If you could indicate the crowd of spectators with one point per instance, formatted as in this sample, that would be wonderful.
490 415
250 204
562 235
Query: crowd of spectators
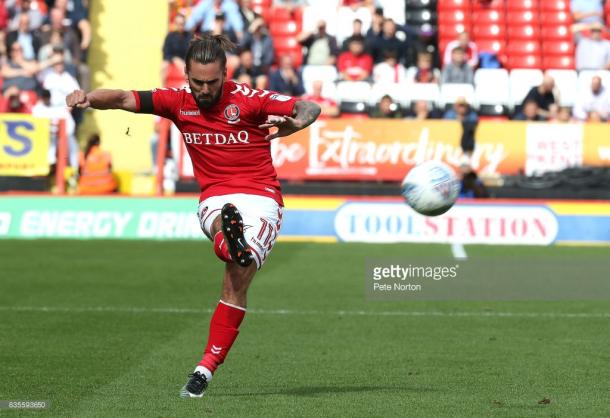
365 44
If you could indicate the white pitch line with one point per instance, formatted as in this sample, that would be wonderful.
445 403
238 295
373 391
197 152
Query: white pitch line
135 310
458 251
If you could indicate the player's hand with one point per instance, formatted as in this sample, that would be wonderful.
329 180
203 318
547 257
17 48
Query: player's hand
285 124
78 98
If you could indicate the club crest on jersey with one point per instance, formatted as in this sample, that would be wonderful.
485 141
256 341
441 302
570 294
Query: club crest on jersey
232 113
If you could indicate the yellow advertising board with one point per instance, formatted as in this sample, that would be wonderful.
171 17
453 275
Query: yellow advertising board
24 145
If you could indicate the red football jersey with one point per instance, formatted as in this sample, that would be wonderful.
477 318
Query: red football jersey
228 149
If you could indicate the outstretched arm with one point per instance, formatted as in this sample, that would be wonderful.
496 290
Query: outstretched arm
303 115
102 99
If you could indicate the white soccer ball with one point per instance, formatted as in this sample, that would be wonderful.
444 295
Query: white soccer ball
431 188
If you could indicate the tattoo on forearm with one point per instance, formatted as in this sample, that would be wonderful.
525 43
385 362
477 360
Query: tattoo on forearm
306 112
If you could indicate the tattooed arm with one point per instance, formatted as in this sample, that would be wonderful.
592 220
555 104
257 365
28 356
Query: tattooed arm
304 114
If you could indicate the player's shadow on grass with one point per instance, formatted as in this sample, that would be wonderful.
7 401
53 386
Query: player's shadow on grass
324 390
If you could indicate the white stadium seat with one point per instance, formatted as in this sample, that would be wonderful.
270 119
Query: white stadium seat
585 76
450 92
423 91
492 86
353 91
521 82
327 73
397 91
566 81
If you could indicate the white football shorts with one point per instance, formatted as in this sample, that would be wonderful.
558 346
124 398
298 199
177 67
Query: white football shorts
262 218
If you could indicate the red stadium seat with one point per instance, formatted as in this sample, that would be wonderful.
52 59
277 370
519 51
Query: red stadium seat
495 46
443 5
263 3
522 17
555 18
285 42
524 61
279 14
451 31
486 17
284 28
558 48
452 16
554 5
489 32
296 54
555 33
565 62
516 5
488 5
523 48
523 32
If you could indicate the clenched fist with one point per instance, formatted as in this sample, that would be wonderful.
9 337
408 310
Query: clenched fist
78 98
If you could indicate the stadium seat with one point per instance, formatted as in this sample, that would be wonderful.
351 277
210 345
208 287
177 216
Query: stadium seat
522 17
523 32
453 5
487 17
565 62
452 16
524 61
452 30
554 5
285 42
353 91
424 91
398 92
523 48
585 76
450 93
521 82
326 73
555 18
489 32
279 14
566 82
488 5
516 5
558 48
421 17
413 4
284 28
496 46
556 33
492 91
263 3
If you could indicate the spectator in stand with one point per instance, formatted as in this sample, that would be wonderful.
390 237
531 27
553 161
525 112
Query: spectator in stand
422 110
321 47
529 112
458 70
34 14
564 115
203 15
76 16
469 47
424 72
329 106
357 32
247 67
28 39
463 113
58 81
246 12
597 99
259 42
593 53
375 31
346 14
44 109
594 117
11 102
56 43
471 186
587 11
390 70
388 41
18 71
545 97
175 45
243 78
68 34
355 64
286 79
387 108
95 169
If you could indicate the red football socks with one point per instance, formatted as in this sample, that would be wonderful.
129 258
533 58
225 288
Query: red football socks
221 249
224 328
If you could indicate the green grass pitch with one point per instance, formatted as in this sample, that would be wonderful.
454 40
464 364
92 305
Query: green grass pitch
111 329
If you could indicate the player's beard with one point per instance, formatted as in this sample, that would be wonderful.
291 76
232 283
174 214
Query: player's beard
207 101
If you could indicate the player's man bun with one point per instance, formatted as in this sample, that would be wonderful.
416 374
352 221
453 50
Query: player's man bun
206 49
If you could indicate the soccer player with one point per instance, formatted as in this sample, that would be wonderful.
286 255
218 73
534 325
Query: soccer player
225 126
